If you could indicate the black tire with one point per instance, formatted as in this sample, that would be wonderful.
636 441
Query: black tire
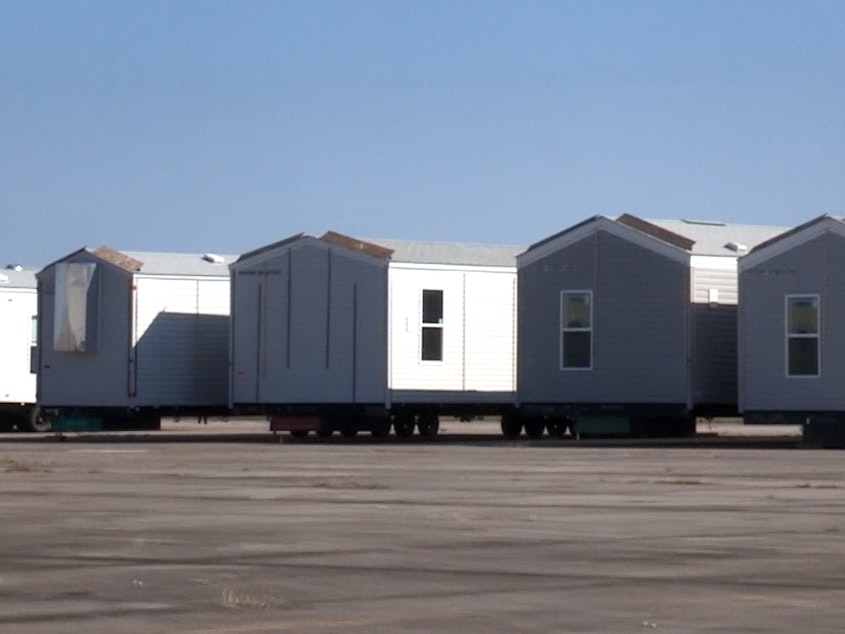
535 428
403 426
324 433
299 433
380 429
511 426
557 427
35 422
349 431
429 425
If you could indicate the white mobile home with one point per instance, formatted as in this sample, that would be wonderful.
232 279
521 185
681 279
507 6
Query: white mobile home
18 349
337 333
629 326
127 337
791 344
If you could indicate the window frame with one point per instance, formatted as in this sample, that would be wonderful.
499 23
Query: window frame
432 325
565 329
788 336
33 345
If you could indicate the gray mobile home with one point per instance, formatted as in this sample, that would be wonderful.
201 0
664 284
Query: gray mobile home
335 333
126 337
791 344
628 326
18 349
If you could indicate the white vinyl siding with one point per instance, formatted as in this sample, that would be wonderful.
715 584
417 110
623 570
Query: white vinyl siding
431 335
576 330
17 312
181 338
713 278
478 332
802 336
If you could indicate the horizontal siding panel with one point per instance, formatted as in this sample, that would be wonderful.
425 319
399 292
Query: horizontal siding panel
810 268
310 327
640 325
99 377
723 281
182 342
478 330
17 382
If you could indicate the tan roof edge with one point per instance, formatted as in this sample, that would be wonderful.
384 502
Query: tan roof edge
333 237
118 259
656 232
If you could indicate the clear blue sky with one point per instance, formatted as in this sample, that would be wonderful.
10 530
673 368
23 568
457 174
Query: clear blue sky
223 126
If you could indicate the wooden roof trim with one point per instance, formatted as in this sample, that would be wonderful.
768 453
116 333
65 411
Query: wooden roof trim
656 232
118 259
369 248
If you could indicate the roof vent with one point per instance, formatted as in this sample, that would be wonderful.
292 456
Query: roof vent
737 247
14 267
213 258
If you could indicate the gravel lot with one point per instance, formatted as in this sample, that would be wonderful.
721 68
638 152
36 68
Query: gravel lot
218 529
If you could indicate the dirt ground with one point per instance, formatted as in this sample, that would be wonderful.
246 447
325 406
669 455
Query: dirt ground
216 528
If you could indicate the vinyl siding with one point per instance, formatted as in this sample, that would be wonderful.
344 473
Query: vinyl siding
478 330
813 267
181 340
97 377
715 328
17 308
717 273
640 331
310 327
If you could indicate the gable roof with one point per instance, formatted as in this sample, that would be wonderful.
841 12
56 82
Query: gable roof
675 238
405 251
158 263
792 238
633 229
269 247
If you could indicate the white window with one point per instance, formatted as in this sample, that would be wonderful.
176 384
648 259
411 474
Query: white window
431 348
802 335
33 346
576 330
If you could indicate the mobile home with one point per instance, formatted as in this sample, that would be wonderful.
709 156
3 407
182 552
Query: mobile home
127 337
628 326
791 345
18 349
335 333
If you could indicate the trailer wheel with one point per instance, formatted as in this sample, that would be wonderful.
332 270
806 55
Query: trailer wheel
324 433
403 426
429 425
511 426
349 431
381 428
36 422
557 427
534 428
299 433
